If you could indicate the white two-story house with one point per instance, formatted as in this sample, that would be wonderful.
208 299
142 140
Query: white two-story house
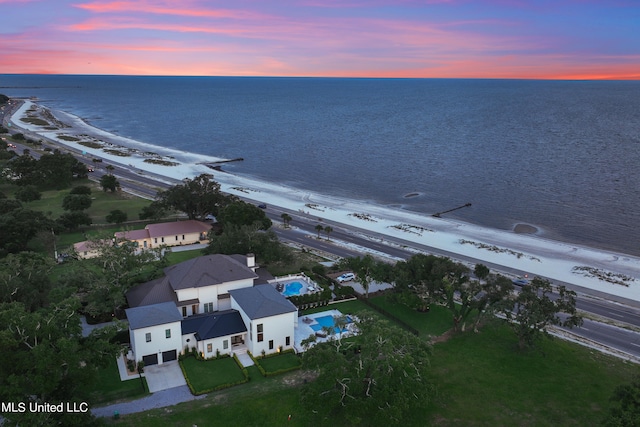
218 309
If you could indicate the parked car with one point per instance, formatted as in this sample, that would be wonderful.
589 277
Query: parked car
262 206
520 282
346 277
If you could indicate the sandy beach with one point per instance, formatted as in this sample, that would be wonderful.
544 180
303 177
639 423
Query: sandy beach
523 248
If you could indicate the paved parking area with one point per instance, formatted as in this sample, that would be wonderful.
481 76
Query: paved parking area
165 376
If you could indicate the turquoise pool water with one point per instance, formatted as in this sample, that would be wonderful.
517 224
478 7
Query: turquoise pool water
327 321
292 288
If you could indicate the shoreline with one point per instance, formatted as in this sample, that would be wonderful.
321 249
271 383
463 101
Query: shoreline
522 248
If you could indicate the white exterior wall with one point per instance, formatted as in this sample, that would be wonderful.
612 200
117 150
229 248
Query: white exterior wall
216 344
192 341
275 328
159 341
206 294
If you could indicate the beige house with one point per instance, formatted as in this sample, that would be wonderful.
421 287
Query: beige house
86 249
175 233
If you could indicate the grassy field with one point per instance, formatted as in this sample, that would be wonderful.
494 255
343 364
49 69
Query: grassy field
481 379
109 388
103 202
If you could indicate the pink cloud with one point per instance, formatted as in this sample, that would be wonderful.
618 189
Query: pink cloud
174 8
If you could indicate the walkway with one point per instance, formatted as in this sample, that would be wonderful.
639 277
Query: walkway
159 399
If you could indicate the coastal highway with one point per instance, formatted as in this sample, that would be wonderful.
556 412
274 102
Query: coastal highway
347 241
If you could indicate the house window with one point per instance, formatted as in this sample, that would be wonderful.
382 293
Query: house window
194 309
184 311
167 333
145 243
176 238
208 307
287 341
225 344
155 240
209 348
148 336
260 334
162 239
270 344
182 237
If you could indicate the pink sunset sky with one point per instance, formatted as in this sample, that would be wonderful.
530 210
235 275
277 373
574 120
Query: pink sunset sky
541 39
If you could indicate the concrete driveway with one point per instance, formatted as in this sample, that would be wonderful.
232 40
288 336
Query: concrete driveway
165 376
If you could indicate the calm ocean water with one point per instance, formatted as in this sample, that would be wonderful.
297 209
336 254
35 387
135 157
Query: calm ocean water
561 155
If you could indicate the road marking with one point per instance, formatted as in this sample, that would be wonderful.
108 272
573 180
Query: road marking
632 343
615 314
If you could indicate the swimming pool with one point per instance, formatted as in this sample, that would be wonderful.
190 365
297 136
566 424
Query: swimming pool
292 288
327 321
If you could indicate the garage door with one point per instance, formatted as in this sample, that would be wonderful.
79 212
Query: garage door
168 356
151 359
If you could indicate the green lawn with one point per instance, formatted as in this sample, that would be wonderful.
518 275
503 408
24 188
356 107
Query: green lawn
206 375
108 387
433 323
103 202
177 257
483 379
280 362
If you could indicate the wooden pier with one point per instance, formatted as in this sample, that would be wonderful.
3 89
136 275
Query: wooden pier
438 214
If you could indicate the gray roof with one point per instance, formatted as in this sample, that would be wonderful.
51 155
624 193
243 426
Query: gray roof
207 270
214 325
262 301
152 315
153 292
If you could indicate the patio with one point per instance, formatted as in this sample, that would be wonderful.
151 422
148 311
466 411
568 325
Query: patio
306 324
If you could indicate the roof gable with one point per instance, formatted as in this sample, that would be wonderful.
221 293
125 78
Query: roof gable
262 301
214 325
153 292
152 315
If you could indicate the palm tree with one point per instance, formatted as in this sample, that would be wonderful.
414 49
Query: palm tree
286 219
328 230
319 228
110 168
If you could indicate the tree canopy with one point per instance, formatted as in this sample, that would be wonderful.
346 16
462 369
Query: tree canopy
19 225
116 216
534 310
109 182
44 357
242 213
55 170
383 372
248 239
76 202
625 411
197 197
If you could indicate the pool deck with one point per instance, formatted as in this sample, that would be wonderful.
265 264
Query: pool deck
308 285
303 329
